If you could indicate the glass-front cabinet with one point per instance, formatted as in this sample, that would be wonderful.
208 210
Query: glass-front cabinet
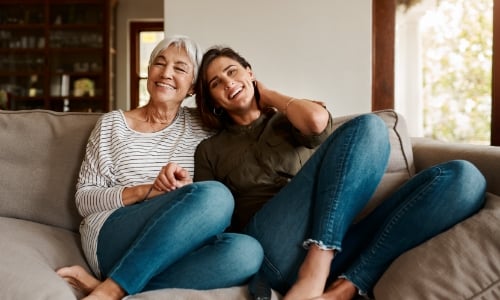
57 55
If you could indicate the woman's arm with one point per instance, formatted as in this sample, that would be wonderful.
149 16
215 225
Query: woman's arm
95 190
138 193
309 117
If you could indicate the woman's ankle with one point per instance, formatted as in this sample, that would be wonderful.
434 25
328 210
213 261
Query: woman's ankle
340 289
109 290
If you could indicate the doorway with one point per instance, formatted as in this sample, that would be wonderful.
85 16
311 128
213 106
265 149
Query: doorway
144 36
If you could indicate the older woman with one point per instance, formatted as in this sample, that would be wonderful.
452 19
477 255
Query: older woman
298 183
146 225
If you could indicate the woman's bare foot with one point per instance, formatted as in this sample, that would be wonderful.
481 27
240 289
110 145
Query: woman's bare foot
79 278
340 289
107 290
312 275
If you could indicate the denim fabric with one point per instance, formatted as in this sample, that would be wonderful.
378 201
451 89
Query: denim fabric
321 201
175 240
431 202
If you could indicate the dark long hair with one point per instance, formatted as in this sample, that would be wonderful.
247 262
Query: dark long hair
204 101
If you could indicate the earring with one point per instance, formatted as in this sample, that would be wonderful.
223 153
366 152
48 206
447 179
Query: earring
217 111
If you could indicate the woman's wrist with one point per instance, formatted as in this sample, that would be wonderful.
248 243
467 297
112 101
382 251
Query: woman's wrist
136 194
288 102
148 193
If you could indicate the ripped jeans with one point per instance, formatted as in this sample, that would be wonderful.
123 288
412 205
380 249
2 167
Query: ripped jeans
321 202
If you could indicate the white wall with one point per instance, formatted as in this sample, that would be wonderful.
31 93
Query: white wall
408 80
317 49
130 10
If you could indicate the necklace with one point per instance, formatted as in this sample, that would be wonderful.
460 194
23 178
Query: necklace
162 122
152 124
154 129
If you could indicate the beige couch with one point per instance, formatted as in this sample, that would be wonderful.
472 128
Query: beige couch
40 155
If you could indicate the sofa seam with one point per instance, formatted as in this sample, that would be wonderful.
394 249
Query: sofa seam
401 144
485 289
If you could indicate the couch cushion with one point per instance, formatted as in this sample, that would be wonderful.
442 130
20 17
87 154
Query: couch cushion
400 166
45 150
461 263
30 253
39 163
428 152
233 293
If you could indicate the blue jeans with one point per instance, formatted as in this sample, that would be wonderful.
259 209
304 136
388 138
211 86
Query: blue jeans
176 240
320 203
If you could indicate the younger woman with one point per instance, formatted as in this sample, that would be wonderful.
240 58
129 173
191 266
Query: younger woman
296 182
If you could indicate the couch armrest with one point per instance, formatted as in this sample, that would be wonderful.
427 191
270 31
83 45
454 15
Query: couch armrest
428 152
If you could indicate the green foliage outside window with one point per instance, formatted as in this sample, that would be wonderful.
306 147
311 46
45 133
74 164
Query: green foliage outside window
457 42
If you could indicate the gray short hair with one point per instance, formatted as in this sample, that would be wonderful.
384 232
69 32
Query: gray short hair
194 51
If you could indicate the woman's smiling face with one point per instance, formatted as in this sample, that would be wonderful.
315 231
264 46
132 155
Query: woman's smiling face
230 84
171 74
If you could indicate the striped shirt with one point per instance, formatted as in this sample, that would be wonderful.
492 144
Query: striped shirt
118 156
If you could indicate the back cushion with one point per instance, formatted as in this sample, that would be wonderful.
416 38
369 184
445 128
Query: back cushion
40 156
462 263
400 167
41 152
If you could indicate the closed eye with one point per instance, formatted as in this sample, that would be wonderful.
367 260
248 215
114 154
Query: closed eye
180 69
214 82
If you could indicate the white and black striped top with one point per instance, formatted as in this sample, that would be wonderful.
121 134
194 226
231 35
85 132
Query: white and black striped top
117 157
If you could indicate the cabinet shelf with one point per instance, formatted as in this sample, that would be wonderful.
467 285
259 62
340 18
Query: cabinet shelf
80 74
75 27
57 54
4 73
80 98
28 98
69 50
21 26
22 50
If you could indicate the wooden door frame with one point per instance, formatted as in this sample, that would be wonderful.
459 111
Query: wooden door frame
383 53
495 78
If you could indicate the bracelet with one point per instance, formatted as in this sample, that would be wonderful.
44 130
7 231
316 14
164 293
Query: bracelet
287 104
147 194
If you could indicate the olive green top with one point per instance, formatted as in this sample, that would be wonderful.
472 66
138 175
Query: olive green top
255 161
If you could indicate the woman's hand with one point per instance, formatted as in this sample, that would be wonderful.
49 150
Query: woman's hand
171 177
265 98
309 117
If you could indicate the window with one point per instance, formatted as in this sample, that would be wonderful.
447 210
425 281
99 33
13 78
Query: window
143 38
384 13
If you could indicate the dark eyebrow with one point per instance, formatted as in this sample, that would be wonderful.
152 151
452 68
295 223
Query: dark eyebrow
224 70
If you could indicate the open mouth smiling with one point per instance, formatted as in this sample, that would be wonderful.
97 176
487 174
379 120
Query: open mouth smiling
233 93
165 85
